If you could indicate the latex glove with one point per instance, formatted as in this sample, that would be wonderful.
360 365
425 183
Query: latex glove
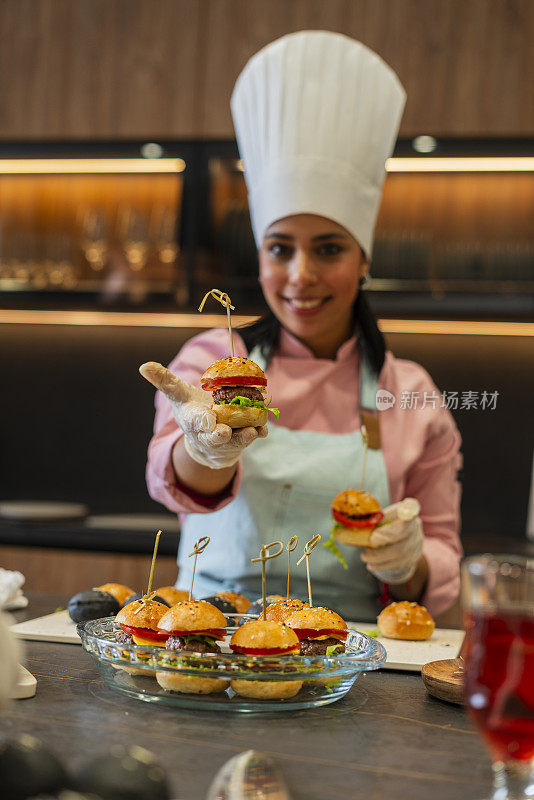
398 545
208 443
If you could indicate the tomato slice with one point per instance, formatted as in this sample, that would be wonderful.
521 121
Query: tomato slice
313 633
369 521
211 384
145 633
215 633
257 651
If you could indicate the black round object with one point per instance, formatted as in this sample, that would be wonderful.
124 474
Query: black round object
92 604
135 597
27 768
222 604
125 774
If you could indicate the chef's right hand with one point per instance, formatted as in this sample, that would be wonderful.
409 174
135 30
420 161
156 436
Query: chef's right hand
208 443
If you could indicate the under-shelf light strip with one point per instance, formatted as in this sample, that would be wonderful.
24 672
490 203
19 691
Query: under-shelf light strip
461 164
90 166
151 320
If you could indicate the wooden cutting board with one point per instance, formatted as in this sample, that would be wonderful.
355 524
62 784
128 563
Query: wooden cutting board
443 679
401 655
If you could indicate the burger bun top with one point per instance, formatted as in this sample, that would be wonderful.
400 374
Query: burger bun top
148 615
197 615
316 618
234 368
354 503
265 634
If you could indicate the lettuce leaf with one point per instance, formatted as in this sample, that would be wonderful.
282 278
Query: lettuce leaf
373 634
331 650
331 545
248 403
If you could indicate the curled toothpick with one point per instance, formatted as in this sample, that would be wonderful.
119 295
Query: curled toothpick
363 431
148 596
199 548
308 547
224 300
290 546
266 555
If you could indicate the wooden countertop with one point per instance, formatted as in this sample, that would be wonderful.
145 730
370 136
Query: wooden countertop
385 734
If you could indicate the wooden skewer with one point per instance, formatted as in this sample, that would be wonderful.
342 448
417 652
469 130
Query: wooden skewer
290 546
148 595
308 547
199 548
224 300
363 431
266 555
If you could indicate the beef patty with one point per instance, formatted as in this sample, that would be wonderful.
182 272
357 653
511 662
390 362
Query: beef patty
194 646
227 393
317 647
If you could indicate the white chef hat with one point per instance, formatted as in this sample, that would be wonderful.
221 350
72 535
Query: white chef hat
316 116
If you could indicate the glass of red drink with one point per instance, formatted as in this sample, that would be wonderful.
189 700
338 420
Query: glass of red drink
498 600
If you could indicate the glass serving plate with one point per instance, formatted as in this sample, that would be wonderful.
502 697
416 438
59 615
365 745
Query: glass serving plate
311 680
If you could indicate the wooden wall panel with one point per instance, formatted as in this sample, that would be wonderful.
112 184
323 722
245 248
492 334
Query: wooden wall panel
67 572
98 68
467 67
139 68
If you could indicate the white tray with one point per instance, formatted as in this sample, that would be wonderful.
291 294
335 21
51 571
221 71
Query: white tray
402 655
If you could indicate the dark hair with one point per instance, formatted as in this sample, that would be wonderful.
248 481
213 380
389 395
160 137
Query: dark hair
265 332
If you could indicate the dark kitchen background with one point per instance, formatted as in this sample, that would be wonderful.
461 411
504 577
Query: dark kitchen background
122 200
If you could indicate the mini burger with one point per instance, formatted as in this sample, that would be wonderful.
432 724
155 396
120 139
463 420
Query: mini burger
139 625
237 385
283 609
356 514
120 592
319 630
265 638
239 601
172 595
192 627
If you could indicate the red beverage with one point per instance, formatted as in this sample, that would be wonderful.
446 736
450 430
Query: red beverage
499 680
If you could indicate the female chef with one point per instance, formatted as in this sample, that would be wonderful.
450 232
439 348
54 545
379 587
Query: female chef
316 115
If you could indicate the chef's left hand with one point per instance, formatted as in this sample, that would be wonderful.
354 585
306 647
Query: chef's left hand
397 546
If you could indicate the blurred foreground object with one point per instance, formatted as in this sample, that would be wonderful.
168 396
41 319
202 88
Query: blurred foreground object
248 776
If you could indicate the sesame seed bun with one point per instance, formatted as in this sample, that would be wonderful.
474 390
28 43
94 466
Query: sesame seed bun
241 602
316 618
264 635
189 685
147 617
234 367
240 416
267 690
355 503
172 595
120 592
405 620
356 537
196 615
280 611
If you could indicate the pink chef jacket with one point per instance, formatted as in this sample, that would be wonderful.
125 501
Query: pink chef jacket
420 445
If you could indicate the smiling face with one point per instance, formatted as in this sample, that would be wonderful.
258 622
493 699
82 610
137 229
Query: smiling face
310 272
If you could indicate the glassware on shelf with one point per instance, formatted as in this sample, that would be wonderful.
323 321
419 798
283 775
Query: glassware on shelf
133 231
163 227
498 598
94 238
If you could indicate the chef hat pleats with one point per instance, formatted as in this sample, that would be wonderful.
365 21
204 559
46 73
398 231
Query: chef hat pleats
316 116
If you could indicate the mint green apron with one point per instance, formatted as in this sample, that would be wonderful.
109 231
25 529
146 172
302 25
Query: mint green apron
289 481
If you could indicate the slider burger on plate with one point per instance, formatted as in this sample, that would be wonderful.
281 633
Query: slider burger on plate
172 595
356 515
405 620
120 592
192 627
237 385
319 630
239 601
282 609
139 625
265 638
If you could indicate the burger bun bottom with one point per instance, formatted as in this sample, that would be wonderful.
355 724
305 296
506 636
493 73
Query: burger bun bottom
357 537
240 416
189 685
267 690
